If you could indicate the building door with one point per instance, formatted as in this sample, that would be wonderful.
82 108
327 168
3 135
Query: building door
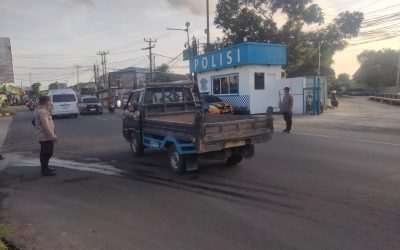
261 94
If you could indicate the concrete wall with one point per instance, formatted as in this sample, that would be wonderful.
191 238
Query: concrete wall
6 66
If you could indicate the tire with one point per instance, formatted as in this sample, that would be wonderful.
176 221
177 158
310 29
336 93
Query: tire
176 162
234 160
136 143
75 116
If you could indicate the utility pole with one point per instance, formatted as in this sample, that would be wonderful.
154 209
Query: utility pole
30 78
95 76
208 25
103 55
149 48
398 74
319 58
77 73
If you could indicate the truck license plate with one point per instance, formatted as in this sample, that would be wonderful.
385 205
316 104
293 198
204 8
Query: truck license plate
232 144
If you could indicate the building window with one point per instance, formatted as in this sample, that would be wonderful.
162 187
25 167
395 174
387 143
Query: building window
226 85
217 86
259 81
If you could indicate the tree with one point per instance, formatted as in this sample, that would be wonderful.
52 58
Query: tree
164 68
36 88
53 86
378 68
254 20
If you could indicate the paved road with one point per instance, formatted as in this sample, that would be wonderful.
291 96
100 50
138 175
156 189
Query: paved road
332 184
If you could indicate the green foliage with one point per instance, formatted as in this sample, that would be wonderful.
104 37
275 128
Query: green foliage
36 88
343 78
164 68
378 68
254 19
5 230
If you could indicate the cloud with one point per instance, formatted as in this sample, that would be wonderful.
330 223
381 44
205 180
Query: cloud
87 3
196 7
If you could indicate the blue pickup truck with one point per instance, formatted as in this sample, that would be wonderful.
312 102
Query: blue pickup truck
169 116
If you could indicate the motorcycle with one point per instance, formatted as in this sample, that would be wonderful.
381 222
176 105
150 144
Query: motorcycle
111 108
321 107
334 101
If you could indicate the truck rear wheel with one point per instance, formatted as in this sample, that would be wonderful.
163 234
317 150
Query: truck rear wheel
176 162
136 145
234 160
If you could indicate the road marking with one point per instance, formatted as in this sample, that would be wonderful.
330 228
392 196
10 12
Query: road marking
17 160
348 139
99 118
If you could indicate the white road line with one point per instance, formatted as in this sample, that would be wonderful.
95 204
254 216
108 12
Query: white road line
99 118
348 139
18 160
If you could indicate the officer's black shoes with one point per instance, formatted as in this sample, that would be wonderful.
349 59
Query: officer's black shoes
286 131
48 172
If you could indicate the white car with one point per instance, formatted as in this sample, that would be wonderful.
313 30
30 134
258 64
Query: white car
65 102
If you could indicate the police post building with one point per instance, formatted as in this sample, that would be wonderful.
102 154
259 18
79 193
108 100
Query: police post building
244 75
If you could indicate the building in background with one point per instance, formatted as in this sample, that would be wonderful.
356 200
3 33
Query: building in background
58 85
6 64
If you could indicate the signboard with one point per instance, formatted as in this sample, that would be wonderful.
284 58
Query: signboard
241 54
187 54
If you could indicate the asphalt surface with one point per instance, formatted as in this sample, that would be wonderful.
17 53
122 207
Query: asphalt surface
332 184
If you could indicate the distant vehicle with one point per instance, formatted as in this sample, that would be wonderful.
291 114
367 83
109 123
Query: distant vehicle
65 102
334 99
167 116
31 105
214 105
90 105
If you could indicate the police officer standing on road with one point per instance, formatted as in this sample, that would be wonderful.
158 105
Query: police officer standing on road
286 109
44 125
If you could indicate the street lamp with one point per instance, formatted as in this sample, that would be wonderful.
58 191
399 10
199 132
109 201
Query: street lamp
187 24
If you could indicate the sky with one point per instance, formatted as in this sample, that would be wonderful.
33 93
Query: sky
50 37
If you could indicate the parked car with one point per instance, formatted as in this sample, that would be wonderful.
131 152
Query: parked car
214 105
90 105
65 103
167 116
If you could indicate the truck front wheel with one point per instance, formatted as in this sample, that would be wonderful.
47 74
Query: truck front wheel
234 160
176 162
136 145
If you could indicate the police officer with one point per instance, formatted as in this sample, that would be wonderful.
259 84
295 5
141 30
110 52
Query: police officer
46 134
286 109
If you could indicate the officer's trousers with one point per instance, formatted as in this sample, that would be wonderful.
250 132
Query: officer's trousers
46 152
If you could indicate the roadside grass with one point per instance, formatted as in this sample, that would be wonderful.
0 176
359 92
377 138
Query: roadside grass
5 230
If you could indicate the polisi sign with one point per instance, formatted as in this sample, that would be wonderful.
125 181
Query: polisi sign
241 54
217 60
